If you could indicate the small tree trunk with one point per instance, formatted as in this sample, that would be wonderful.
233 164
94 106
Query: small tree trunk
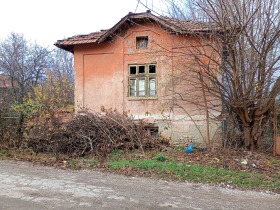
247 136
206 108
20 130
258 131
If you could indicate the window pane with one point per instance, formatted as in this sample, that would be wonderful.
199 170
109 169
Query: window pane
152 86
141 89
132 84
132 70
141 69
152 69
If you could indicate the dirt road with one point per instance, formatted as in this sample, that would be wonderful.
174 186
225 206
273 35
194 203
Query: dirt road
24 186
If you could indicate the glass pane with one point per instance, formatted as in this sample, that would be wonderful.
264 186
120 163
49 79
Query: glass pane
152 86
141 69
142 42
152 69
132 70
141 90
132 84
154 132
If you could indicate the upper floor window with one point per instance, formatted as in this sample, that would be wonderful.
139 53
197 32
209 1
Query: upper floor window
142 80
142 42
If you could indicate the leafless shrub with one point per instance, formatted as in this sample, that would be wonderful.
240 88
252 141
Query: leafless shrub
231 133
92 133
104 132
8 133
43 132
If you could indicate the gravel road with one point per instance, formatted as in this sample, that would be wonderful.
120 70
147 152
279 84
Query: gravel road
33 187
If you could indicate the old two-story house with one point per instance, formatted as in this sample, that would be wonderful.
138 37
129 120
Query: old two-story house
129 67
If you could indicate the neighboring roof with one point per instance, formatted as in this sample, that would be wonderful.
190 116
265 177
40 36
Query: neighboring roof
170 24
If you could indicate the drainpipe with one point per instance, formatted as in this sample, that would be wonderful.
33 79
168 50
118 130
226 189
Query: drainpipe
83 100
123 95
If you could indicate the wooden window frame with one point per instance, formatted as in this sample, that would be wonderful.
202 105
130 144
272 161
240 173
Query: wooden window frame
142 42
138 76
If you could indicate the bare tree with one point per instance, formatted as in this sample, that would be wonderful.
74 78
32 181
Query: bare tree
184 10
62 64
238 60
23 63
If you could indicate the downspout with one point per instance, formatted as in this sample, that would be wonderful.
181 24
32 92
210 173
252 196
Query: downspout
123 95
83 101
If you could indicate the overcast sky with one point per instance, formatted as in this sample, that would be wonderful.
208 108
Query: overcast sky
46 21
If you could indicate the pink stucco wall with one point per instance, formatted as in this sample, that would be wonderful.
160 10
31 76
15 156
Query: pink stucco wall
101 73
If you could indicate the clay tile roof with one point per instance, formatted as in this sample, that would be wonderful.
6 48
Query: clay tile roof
170 24
188 26
68 43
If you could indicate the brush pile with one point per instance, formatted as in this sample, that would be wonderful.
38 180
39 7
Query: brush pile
94 133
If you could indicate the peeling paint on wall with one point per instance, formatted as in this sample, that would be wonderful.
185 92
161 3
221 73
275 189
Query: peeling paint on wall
131 51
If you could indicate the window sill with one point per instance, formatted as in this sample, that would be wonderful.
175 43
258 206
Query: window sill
139 49
141 98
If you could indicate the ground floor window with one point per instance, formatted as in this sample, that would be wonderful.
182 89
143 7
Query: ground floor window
152 130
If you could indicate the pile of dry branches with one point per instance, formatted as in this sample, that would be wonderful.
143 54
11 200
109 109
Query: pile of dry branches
97 134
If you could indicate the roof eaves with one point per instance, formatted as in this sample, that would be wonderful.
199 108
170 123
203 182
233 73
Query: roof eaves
111 30
130 15
117 25
68 47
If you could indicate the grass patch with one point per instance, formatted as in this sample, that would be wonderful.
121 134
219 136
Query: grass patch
274 161
172 164
196 173
160 157
276 176
73 164
91 163
80 163
116 154
3 154
180 148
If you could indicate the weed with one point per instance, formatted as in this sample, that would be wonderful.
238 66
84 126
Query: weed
3 154
90 162
274 161
276 176
73 164
180 148
160 157
118 164
116 154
